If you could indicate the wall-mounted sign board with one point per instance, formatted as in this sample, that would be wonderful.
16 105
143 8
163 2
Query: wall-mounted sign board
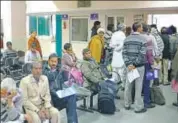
65 17
94 16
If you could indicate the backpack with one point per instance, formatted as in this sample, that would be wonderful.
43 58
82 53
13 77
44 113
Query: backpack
106 96
157 96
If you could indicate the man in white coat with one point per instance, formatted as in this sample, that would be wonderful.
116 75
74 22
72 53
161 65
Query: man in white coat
118 65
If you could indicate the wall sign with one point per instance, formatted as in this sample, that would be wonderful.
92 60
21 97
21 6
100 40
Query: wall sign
65 17
94 16
139 18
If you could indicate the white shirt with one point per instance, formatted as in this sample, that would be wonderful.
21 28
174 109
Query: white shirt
32 57
117 42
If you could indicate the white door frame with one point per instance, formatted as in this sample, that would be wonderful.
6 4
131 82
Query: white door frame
70 28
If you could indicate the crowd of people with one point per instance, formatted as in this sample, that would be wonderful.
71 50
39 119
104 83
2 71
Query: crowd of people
140 48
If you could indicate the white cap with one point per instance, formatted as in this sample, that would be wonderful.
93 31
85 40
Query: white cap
100 30
9 84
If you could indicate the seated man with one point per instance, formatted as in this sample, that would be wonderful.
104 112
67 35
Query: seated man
56 79
32 55
9 52
11 103
91 71
36 96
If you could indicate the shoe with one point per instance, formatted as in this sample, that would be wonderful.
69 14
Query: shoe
166 84
150 106
117 110
141 111
175 104
117 97
127 108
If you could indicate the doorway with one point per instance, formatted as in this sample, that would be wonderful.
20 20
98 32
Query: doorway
163 20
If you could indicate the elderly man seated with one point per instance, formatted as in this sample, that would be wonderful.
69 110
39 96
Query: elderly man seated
55 76
91 71
11 103
32 54
36 96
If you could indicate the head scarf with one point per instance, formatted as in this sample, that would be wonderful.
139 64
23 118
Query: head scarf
100 30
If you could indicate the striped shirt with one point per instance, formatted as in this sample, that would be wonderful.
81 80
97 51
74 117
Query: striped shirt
134 50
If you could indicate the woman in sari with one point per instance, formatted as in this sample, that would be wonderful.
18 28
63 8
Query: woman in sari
96 45
33 39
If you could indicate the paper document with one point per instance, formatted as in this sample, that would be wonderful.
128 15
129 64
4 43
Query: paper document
66 92
156 73
169 65
132 75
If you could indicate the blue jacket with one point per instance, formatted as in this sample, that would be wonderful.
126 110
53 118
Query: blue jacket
56 79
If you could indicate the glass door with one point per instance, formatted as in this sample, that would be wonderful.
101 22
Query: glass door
79 33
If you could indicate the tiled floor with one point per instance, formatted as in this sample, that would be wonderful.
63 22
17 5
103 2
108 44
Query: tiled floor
160 114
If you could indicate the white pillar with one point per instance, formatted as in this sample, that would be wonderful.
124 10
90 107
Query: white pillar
18 25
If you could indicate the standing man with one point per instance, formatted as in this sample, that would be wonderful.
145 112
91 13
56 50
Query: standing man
149 63
117 42
33 39
96 26
166 55
159 54
134 55
173 42
36 96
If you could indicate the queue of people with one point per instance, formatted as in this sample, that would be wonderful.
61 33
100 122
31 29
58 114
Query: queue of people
138 48
144 48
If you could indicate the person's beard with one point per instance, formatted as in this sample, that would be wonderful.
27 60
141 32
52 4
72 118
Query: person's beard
37 77
87 58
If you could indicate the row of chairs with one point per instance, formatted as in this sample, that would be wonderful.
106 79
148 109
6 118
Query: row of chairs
12 69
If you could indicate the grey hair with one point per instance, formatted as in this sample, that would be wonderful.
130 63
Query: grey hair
34 64
121 27
9 84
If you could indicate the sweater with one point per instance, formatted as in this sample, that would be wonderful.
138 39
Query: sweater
166 50
134 50
173 45
149 52
159 42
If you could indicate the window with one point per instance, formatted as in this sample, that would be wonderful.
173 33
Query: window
110 20
120 20
32 24
41 24
114 20
79 30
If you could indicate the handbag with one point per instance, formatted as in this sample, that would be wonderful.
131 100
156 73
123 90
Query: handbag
77 75
174 85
